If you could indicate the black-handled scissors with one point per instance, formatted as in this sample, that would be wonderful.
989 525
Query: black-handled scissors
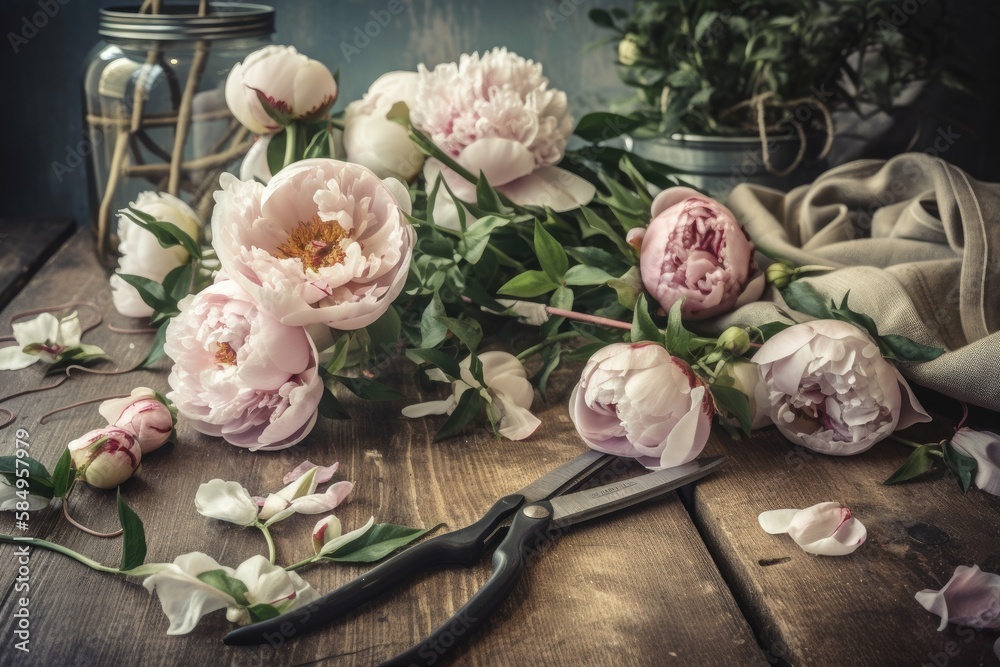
539 514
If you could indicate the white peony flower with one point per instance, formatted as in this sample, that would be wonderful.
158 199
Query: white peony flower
496 114
825 529
984 447
142 255
508 386
376 142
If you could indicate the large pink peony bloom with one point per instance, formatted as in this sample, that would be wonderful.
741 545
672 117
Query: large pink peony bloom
496 114
325 241
694 249
636 400
825 386
241 374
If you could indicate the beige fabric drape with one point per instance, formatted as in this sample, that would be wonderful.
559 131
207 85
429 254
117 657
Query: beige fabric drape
915 240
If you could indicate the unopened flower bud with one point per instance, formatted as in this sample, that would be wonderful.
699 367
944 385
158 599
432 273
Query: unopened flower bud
780 274
628 50
143 415
106 457
735 340
326 530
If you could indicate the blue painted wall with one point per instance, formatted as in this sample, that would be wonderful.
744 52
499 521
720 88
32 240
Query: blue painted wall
40 107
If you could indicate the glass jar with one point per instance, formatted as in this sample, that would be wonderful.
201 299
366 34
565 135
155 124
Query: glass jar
155 105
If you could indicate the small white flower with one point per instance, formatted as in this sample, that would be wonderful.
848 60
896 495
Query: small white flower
825 529
46 333
226 501
510 391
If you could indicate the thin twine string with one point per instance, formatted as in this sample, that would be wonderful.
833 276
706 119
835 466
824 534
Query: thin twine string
89 531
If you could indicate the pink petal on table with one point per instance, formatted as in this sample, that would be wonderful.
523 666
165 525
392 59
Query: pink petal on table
323 474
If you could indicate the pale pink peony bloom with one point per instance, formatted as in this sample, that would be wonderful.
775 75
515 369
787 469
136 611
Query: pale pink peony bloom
510 392
983 446
240 374
636 400
106 457
694 249
971 597
496 114
141 253
826 386
324 242
825 529
376 142
143 415
282 80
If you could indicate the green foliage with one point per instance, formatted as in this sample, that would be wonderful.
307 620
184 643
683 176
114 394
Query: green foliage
695 64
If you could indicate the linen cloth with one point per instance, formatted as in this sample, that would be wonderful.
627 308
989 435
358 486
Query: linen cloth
915 240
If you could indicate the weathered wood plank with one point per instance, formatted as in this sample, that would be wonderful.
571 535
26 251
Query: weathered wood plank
856 609
25 244
635 588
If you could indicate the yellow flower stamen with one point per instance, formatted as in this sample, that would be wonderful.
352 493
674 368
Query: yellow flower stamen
316 243
225 355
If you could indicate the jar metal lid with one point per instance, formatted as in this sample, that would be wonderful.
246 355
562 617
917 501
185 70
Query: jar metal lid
225 20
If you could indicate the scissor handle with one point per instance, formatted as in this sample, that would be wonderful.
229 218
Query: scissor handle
459 547
526 535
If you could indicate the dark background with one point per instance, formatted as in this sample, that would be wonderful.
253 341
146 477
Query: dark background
40 106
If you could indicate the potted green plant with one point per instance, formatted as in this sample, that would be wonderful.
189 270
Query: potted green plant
741 90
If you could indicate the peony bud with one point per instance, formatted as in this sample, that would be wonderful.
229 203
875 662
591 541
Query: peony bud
143 415
735 340
105 457
324 531
628 50
780 274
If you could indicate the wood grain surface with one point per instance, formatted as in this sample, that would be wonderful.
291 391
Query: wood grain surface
25 244
634 588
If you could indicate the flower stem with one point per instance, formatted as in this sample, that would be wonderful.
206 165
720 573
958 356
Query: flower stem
52 546
302 563
534 349
291 139
590 319
915 445
270 541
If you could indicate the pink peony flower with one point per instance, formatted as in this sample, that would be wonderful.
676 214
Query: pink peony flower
636 400
373 140
239 373
694 249
971 597
105 457
325 241
142 415
825 386
282 80
983 446
826 529
496 114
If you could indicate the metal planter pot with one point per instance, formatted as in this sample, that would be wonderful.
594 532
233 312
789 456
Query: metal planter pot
718 164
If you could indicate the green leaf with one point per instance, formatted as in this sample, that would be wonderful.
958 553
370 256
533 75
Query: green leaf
477 237
62 475
432 331
587 275
963 466
550 361
600 17
628 287
276 151
733 403
528 284
470 332
177 283
597 257
377 543
769 330
678 339
643 327
167 233
584 352
470 405
601 126
338 358
551 255
228 584
38 479
383 335
330 406
601 226
156 348
78 355
561 298
263 612
133 536
151 292
370 390
919 462
906 349
487 198
438 359
319 146
803 297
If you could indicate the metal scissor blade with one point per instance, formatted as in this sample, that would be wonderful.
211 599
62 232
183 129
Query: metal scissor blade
567 476
583 505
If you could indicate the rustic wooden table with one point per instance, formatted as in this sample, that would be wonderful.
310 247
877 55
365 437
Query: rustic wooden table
685 580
